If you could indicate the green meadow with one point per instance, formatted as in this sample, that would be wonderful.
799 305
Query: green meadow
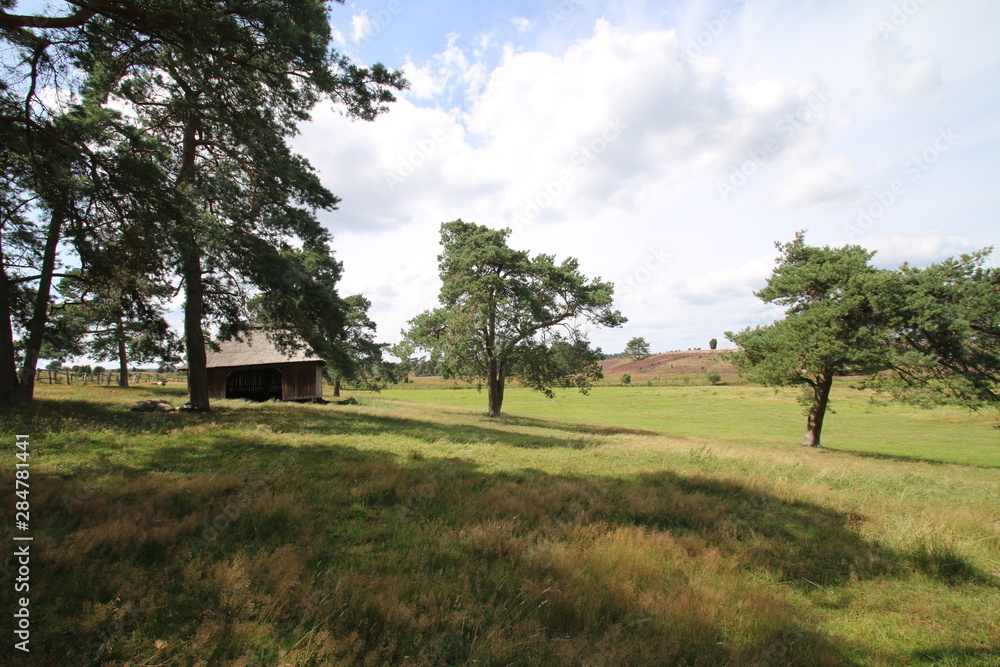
753 414
673 525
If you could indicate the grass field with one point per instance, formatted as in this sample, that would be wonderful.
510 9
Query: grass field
753 414
633 526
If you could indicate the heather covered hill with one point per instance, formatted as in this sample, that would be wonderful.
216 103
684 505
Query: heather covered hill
670 365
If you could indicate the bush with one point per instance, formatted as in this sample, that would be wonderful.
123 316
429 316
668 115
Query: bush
713 378
626 378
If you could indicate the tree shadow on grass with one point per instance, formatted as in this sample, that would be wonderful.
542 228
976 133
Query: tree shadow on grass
590 429
806 544
906 459
434 557
46 417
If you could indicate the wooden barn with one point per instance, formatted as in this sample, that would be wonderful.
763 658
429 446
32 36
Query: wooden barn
254 369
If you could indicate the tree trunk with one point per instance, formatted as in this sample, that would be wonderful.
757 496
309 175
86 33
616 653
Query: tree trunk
191 274
814 422
336 386
39 316
494 387
194 307
8 365
122 356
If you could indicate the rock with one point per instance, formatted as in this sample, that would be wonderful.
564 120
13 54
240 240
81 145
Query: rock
153 405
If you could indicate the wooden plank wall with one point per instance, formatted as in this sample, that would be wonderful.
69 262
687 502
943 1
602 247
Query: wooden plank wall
299 381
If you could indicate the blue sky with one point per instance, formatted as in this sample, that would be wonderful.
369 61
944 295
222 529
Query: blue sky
667 146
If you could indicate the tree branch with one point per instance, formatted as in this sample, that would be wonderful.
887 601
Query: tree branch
74 20
29 279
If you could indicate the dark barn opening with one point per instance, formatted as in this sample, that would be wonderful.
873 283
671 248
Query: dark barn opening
257 384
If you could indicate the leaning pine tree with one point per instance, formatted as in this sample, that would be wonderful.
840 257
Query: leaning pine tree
831 327
923 335
505 314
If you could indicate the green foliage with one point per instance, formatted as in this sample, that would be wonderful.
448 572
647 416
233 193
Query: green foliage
556 361
365 367
197 179
713 378
499 308
118 317
419 366
626 378
712 344
945 340
637 348
923 335
297 300
831 326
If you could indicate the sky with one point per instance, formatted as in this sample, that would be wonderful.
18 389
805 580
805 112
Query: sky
667 146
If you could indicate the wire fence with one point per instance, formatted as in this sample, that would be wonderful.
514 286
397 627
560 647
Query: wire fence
62 376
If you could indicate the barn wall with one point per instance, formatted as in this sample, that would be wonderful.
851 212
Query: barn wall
302 381
217 382
299 381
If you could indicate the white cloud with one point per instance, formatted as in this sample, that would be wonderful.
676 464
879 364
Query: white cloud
827 182
423 82
522 24
720 285
361 27
491 130
917 249
904 76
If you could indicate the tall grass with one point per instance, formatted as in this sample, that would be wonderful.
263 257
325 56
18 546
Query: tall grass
391 534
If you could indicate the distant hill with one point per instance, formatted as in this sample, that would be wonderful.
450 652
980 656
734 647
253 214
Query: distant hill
669 365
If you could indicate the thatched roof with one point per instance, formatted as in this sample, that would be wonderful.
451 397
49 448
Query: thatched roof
254 350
